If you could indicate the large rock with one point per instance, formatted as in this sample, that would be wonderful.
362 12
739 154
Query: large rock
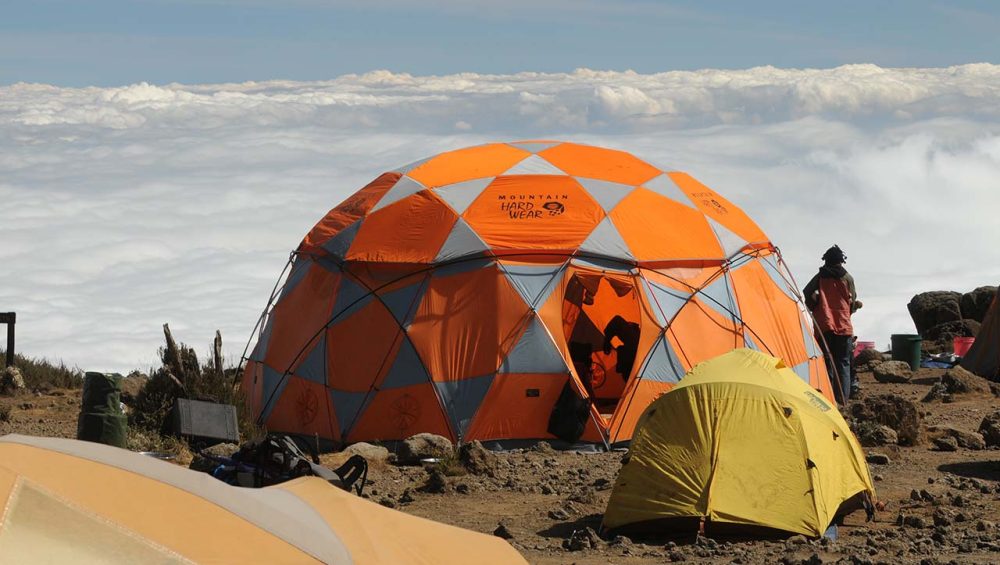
866 356
967 440
871 434
424 446
931 309
946 333
890 410
368 451
959 381
893 372
975 304
11 381
478 460
990 428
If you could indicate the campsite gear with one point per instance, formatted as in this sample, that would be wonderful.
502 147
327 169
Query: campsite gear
983 358
276 459
745 445
906 347
961 345
68 501
445 296
863 345
101 417
206 423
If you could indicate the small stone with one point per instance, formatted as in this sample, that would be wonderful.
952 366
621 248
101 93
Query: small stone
559 514
878 459
914 521
501 531
406 497
462 488
893 372
676 556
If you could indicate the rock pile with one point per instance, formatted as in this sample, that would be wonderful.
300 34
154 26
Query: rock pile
940 316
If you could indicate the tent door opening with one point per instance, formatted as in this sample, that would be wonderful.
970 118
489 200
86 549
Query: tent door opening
601 314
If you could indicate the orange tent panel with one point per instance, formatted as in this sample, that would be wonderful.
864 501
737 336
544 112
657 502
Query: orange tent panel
517 405
469 163
641 216
304 405
773 317
361 347
399 413
411 230
451 332
597 163
348 211
300 315
534 212
720 209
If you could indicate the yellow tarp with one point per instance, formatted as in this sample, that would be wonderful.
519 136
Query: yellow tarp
740 440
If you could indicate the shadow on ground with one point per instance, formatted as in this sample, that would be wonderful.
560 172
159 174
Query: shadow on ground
986 470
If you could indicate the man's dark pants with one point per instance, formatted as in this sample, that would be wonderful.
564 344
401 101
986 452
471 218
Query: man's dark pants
838 364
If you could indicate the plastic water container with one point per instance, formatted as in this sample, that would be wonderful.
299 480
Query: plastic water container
961 345
906 347
862 345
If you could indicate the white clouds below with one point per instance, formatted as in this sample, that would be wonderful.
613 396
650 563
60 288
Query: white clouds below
123 208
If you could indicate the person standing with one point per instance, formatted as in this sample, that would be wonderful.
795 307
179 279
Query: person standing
832 297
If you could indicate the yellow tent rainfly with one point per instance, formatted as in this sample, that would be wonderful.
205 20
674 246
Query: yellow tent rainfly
745 445
474 293
67 501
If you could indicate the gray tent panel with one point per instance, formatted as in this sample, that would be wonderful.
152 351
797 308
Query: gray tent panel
462 194
604 264
534 165
313 367
731 243
533 282
405 169
665 302
462 399
607 194
665 186
534 353
403 302
339 244
534 147
260 350
812 348
404 187
351 297
802 370
300 266
407 369
662 364
720 297
348 407
461 242
771 268
606 241
274 386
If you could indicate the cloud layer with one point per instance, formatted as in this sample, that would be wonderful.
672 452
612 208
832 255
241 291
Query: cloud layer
123 208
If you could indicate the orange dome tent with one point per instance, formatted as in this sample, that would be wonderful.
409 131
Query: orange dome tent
492 292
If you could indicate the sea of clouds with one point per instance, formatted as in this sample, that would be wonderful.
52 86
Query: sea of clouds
124 208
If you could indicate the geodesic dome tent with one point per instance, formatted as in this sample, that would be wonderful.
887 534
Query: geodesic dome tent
491 292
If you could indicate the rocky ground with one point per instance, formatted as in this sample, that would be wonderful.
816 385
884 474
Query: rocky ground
937 476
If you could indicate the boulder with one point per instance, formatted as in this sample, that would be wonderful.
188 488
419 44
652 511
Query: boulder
893 372
477 459
946 443
11 381
937 392
871 434
893 411
866 356
931 309
424 446
967 440
975 304
945 333
990 429
368 451
959 381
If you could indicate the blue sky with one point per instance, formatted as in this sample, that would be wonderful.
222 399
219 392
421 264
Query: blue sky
115 42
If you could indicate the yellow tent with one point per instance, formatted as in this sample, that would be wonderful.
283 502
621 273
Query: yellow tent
66 501
741 441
